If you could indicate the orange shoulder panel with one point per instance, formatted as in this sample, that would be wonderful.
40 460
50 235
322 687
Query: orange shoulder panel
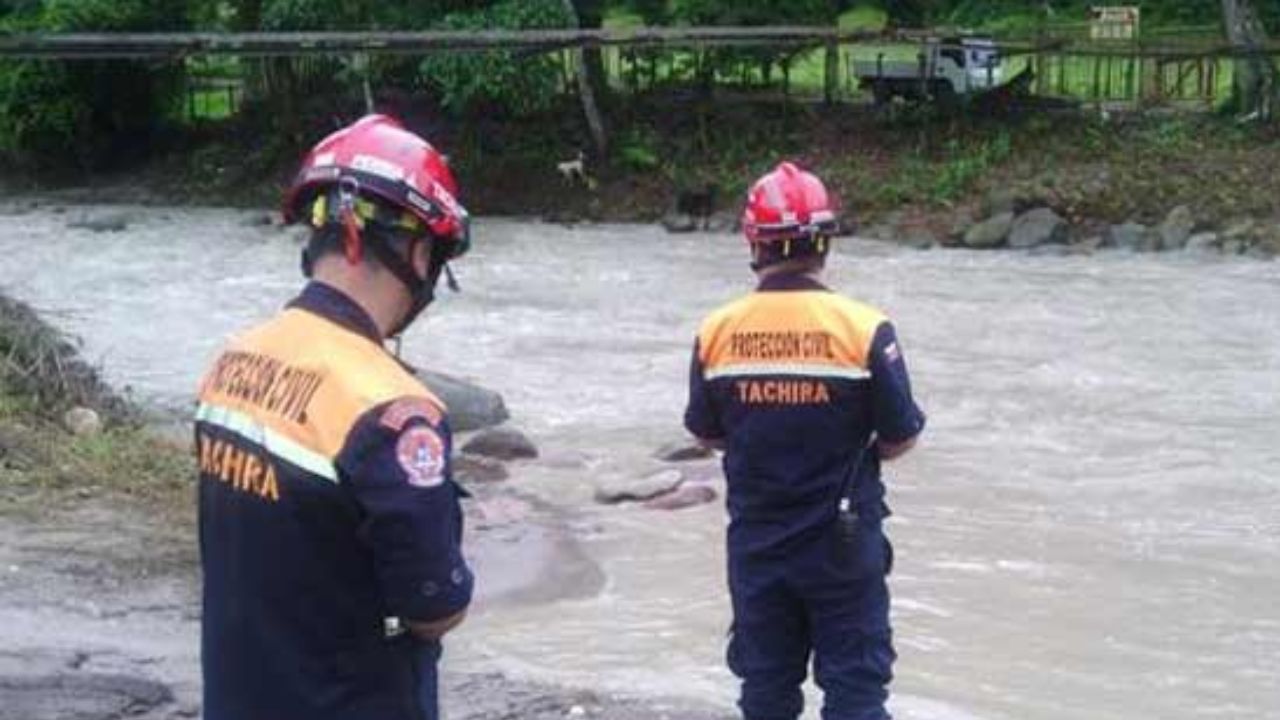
307 379
804 328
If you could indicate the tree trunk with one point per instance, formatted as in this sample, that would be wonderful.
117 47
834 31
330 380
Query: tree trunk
587 93
1255 75
831 74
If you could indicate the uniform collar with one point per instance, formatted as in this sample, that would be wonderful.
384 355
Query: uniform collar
335 306
789 281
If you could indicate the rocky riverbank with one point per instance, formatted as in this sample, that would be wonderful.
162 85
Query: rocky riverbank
1010 221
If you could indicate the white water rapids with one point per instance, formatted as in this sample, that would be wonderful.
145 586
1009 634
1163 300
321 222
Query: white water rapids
1090 529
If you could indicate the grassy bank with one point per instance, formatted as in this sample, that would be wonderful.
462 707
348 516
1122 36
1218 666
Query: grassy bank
43 465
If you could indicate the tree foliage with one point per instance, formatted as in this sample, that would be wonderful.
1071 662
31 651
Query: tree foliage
500 80
84 112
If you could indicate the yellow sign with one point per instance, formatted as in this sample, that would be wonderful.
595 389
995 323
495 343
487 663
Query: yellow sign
1116 22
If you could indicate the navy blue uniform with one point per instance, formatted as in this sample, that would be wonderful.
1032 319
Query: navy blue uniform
798 382
328 518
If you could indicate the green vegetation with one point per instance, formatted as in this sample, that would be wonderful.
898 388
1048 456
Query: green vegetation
86 114
239 123
498 80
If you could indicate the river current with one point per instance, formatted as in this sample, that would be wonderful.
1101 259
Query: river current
1090 528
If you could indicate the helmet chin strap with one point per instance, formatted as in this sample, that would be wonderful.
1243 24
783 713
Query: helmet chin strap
421 289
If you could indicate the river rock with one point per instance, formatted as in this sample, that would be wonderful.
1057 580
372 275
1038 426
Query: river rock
1041 226
1088 245
884 233
1130 236
679 223
1177 228
1202 242
960 224
501 443
1234 247
611 491
722 221
920 238
471 407
847 224
683 451
106 222
1239 228
686 495
82 421
258 219
991 232
470 468
1268 245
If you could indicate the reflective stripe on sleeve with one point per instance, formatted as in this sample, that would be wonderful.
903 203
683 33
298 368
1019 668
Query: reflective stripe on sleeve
274 443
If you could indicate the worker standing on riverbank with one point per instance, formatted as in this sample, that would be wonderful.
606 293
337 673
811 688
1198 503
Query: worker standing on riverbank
806 392
330 529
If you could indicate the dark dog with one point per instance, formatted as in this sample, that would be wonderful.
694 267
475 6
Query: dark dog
698 204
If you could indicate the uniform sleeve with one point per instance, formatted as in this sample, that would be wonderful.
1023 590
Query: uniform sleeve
396 465
897 417
699 416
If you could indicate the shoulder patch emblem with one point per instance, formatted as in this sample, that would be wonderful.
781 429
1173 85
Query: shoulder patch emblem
420 453
399 413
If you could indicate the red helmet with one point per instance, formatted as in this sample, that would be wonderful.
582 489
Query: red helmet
786 204
376 156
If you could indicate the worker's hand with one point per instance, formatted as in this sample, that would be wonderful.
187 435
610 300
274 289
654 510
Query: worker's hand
436 629
712 444
892 451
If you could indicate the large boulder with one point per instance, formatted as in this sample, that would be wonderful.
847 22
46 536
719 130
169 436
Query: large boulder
613 490
688 494
683 451
1131 236
991 232
501 443
471 407
469 469
1177 228
1041 226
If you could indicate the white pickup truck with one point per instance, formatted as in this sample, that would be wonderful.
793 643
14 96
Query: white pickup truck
944 69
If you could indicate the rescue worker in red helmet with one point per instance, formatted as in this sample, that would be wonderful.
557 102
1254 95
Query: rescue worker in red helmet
806 392
330 528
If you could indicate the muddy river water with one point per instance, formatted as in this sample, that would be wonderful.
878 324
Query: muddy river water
1091 529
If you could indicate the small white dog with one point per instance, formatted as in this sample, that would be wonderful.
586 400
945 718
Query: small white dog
574 170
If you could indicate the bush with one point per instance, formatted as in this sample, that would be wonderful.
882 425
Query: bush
499 80
87 113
